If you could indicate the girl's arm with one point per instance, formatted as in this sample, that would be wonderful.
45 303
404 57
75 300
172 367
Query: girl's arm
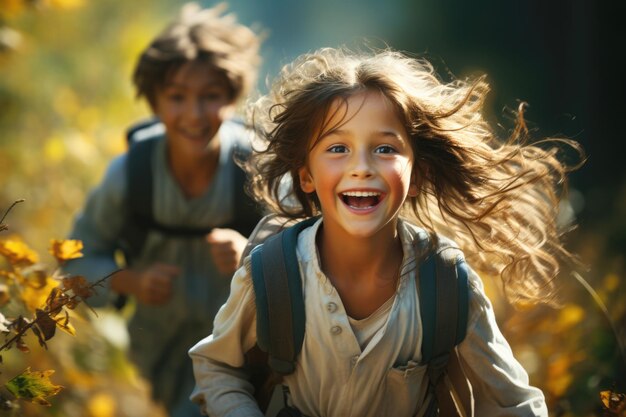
500 383
222 384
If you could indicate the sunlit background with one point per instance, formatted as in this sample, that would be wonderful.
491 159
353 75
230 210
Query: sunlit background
66 99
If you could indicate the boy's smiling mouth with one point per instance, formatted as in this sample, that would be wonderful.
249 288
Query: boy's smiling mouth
196 133
361 200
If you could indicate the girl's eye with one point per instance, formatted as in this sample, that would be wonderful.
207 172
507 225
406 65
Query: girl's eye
338 149
385 149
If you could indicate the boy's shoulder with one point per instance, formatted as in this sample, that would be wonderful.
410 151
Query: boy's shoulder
115 175
235 134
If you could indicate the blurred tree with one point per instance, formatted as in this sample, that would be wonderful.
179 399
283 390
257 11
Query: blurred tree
65 98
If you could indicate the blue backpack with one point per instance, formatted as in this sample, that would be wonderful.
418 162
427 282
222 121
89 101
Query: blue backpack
142 139
444 294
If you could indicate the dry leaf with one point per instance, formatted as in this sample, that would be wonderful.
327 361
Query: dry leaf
614 403
46 324
79 286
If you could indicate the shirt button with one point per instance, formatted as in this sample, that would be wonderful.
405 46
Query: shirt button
354 359
331 307
335 330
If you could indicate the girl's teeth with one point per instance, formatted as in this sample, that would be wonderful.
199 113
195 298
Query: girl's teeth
361 194
361 199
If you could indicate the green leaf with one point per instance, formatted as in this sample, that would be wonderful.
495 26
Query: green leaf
35 387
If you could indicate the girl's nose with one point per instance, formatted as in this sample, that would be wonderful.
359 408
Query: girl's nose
362 166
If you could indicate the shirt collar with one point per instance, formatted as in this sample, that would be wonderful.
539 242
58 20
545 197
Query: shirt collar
411 237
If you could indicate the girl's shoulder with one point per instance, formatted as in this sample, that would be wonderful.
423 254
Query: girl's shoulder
421 240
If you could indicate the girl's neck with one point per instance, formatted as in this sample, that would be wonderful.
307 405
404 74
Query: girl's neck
350 258
364 271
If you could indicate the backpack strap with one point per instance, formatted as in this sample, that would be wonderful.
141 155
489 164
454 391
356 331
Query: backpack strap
444 303
246 212
279 300
444 293
144 129
139 199
139 189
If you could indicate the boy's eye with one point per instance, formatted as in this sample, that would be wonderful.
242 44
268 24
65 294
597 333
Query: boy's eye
212 96
175 97
385 149
338 149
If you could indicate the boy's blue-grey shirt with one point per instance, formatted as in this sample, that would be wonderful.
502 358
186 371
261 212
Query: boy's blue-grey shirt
161 335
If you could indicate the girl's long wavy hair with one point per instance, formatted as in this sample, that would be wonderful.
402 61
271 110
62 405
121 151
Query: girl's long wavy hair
497 199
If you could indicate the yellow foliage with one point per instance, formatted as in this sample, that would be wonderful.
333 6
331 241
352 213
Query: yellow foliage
5 297
54 150
569 316
11 8
17 252
88 118
559 377
66 249
66 4
65 325
76 377
66 103
611 282
62 126
102 405
34 298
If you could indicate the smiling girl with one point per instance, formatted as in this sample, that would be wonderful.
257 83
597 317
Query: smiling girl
369 142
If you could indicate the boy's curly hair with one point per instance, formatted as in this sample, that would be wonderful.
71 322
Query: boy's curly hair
498 199
200 35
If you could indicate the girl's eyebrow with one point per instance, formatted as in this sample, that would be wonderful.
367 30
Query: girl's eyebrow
383 133
392 133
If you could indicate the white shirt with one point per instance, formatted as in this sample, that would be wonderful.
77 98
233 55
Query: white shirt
334 376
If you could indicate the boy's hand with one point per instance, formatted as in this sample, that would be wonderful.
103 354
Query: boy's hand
152 285
226 247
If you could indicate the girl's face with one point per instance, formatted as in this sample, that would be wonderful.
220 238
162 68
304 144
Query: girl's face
192 105
360 168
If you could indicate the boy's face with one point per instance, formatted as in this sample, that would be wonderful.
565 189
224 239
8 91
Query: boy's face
192 105
360 168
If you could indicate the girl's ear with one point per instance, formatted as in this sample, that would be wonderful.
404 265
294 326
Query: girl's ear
306 181
413 190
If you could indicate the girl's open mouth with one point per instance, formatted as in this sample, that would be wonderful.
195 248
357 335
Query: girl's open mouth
361 200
